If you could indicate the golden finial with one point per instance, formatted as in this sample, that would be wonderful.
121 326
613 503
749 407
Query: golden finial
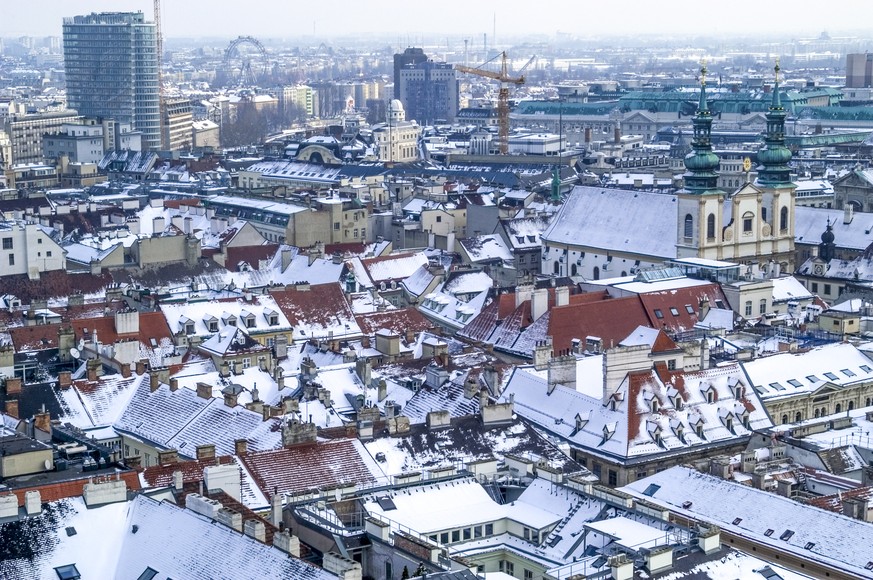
703 71
777 69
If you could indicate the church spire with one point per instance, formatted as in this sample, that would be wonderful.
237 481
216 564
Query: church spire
773 169
701 164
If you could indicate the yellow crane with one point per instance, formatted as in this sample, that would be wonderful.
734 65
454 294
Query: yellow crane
503 94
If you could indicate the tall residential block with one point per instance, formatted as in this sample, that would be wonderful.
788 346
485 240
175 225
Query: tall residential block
111 64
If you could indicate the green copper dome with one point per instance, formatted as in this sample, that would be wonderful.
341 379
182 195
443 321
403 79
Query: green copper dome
773 168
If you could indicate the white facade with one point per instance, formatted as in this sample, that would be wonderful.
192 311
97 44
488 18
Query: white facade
25 248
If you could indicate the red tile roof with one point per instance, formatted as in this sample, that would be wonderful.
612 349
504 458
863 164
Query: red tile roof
320 304
677 300
399 321
73 488
39 337
53 284
251 255
192 471
611 320
324 464
151 325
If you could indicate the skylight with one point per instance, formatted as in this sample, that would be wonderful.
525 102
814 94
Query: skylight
652 489
777 386
865 368
795 383
831 376
769 532
812 378
848 373
786 535
689 309
658 313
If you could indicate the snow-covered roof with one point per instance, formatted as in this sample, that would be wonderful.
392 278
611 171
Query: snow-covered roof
791 374
597 218
808 532
265 316
486 248
790 288
633 428
810 223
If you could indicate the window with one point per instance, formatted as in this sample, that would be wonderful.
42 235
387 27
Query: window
456 535
689 309
11 259
7 243
48 254
710 227
467 533
439 219
528 574
612 477
813 287
784 419
748 309
477 532
444 538
671 364
355 233
689 226
762 306
674 311
763 214
798 417
489 529
336 225
783 219
827 289
246 362
659 314
748 218
596 272
38 240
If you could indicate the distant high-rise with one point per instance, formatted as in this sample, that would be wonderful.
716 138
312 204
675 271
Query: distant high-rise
111 64
859 70
406 58
429 92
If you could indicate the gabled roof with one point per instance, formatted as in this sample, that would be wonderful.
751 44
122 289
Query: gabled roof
399 321
609 319
319 465
597 217
320 311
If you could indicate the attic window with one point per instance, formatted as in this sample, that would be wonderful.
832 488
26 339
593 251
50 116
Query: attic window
68 572
737 521
769 532
831 376
869 565
809 546
719 304
865 368
658 314
795 383
786 535
148 574
652 490
848 373
689 309
813 379
674 311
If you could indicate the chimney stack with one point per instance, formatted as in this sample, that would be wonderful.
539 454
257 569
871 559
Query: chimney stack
240 446
204 391
154 381
65 380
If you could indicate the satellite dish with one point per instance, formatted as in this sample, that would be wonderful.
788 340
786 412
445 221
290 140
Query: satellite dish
48 463
74 352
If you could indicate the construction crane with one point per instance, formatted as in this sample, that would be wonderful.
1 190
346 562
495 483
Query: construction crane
502 95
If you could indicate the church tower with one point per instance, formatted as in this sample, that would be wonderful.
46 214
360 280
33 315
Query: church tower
760 228
699 215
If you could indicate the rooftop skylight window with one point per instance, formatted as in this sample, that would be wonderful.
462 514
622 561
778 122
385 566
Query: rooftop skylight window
831 376
848 373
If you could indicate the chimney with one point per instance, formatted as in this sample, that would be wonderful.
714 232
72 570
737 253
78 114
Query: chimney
848 213
154 381
364 369
168 457
224 369
13 386
617 135
240 447
43 421
12 408
93 365
231 396
125 370
539 303
562 296
65 379
523 293
205 452
204 390
704 308
542 354
381 390
178 480
255 529
140 366
471 386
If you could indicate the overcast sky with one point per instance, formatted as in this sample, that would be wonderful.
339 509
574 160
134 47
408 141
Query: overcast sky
408 19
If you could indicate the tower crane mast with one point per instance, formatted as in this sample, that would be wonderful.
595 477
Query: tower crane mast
502 96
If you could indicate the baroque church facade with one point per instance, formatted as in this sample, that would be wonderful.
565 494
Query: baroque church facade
601 233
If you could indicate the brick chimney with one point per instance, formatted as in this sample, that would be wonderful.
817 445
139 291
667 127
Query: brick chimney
168 457
140 366
174 384
154 382
93 365
43 421
12 408
204 391
13 386
205 452
125 370
65 379
240 446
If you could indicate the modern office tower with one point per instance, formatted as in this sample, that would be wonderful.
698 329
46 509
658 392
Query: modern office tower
429 92
111 64
859 70
407 57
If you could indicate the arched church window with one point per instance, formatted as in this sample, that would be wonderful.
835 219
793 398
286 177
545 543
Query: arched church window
710 226
748 220
783 219
689 225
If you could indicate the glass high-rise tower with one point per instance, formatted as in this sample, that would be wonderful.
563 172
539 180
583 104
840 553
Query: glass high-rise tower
111 62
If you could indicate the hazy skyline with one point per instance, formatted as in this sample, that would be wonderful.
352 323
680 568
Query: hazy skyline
451 18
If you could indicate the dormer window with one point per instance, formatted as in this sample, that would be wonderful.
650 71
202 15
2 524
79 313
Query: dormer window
677 402
189 328
655 405
729 424
213 326
680 433
699 430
